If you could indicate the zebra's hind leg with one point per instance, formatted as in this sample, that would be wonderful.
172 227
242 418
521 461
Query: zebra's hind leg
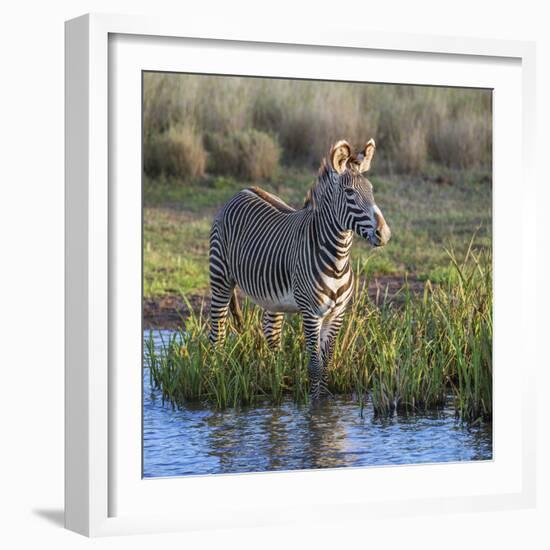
271 326
219 307
312 332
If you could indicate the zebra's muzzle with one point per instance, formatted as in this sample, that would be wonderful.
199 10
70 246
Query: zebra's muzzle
382 234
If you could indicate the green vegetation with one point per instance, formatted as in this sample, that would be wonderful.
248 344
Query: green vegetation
408 357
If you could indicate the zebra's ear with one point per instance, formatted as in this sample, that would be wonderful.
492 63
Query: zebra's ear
339 155
365 157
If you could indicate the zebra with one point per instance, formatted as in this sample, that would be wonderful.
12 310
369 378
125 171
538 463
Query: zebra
287 260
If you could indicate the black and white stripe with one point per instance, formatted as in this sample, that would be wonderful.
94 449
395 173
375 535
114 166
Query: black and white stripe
289 260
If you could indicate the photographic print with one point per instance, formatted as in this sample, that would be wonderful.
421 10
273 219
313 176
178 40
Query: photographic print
317 274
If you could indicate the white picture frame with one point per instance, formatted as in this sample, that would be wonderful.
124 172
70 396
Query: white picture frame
104 494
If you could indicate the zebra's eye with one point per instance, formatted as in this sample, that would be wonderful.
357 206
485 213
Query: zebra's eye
349 192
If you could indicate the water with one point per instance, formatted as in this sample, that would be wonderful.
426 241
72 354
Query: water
199 440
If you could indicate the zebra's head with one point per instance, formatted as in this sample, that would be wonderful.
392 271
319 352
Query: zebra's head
352 196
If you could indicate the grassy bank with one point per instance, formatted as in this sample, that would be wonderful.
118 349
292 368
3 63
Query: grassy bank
409 357
441 209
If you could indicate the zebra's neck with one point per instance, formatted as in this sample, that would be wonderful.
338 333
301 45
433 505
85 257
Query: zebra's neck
332 243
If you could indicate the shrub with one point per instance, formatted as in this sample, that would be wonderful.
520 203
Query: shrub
411 148
249 154
176 152
323 116
267 113
403 127
411 124
300 135
462 143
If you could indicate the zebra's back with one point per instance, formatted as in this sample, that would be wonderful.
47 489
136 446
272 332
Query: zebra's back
257 234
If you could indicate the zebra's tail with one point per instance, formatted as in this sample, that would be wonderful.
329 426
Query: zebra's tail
236 311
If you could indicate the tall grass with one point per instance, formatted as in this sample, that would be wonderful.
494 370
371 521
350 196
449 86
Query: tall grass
414 353
413 125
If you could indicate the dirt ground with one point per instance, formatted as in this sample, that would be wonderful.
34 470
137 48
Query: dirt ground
169 312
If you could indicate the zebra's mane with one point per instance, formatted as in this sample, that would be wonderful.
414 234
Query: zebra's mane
317 191
273 200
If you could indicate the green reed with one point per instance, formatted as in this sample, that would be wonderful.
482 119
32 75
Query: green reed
410 353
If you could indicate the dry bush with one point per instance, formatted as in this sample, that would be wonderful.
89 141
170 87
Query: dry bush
211 103
463 142
169 100
411 148
403 128
412 125
300 135
176 152
316 115
248 154
460 128
224 104
287 110
267 112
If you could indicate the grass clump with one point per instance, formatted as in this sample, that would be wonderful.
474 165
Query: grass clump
413 354
248 154
178 151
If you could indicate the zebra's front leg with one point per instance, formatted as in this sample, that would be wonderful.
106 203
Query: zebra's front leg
329 332
271 326
221 296
312 333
